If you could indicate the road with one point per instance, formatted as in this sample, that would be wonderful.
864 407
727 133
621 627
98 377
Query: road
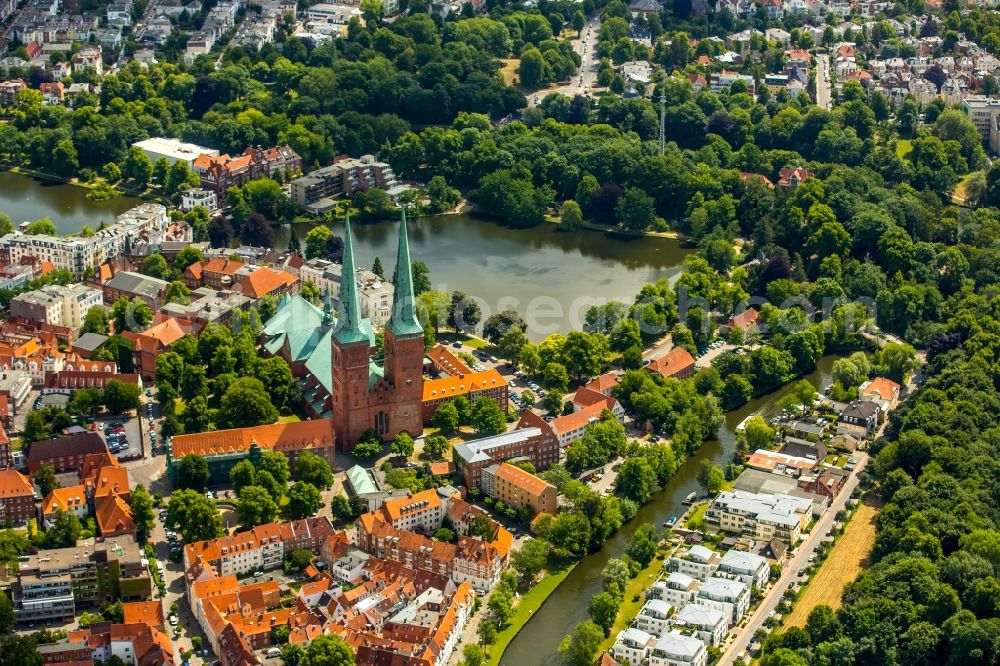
823 81
792 567
586 46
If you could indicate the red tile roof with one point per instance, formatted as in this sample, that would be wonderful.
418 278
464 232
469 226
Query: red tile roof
278 436
672 363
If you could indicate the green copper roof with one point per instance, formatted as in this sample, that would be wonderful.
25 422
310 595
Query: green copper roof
348 328
295 314
320 363
404 306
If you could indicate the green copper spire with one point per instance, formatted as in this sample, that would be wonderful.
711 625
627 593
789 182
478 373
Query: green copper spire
404 305
348 328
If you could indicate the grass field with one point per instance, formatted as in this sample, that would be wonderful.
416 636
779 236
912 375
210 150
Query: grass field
903 148
847 559
509 70
633 599
526 607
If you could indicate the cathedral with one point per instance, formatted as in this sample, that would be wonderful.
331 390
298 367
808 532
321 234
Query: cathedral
343 379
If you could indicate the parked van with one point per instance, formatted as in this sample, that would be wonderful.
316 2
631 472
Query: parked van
274 652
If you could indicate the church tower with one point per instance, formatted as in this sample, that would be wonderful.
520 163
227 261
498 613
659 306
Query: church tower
404 346
350 357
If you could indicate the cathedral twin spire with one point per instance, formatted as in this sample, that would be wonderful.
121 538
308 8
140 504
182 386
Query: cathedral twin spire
403 321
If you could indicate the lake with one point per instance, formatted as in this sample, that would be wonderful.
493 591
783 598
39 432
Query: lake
27 199
548 276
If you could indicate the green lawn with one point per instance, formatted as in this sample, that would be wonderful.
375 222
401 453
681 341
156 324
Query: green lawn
696 516
526 607
291 418
633 599
903 148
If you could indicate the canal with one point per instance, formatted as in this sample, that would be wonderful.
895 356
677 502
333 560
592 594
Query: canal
26 200
538 641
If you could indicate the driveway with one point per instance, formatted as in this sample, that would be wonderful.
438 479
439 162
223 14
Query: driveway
823 93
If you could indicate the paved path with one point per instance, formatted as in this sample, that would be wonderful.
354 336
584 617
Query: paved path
791 568
823 94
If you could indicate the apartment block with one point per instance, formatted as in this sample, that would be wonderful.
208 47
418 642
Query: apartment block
17 497
761 516
708 624
749 568
535 444
697 562
56 305
676 649
317 190
519 489
730 597
56 584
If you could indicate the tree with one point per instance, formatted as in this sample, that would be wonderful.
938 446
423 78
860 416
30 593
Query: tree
192 472
328 650
42 227
142 509
303 500
276 464
95 321
603 610
636 209
220 233
64 531
6 616
402 445
178 292
256 231
498 324
193 515
242 474
313 469
570 216
711 477
464 314
446 418
256 506
473 655
20 650
636 480
340 508
369 445
121 397
555 378
529 561
435 446
487 417
156 266
131 314
45 478
642 547
187 256
64 158
137 166
501 605
246 403
580 649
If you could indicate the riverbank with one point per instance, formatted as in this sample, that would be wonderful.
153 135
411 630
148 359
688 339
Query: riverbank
633 598
525 609
121 189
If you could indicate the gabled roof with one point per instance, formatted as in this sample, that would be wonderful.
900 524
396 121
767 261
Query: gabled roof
114 516
462 384
14 484
278 436
69 498
602 383
672 363
263 281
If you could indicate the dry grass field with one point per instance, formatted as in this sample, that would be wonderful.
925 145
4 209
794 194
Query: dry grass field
509 70
847 559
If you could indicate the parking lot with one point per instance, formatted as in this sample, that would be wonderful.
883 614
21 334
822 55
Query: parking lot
516 379
123 435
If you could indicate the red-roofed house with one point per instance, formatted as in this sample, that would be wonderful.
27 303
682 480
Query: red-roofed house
883 391
264 281
17 497
676 363
792 177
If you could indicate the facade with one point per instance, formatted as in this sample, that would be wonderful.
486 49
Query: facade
571 427
519 489
375 294
134 233
224 448
56 305
15 389
761 516
537 445
317 190
676 589
364 395
197 196
654 616
983 112
883 392
172 150
697 562
859 419
632 646
485 384
220 172
17 497
58 583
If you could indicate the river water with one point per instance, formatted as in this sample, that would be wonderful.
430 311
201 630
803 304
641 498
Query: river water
537 642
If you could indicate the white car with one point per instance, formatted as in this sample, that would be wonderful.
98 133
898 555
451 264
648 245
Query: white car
173 620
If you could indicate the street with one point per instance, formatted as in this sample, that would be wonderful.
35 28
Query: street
823 81
582 82
792 567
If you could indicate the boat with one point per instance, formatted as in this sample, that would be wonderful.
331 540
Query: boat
671 521
690 498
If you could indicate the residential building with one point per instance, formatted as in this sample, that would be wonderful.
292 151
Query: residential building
67 499
263 281
317 190
983 112
375 294
17 497
52 93
6 454
262 548
781 463
15 389
883 392
56 304
675 649
571 427
9 90
217 273
484 384
173 150
632 646
654 616
604 384
533 443
198 196
224 448
697 562
519 489
859 419
135 644
58 583
219 173
746 567
761 516
676 589
730 597
709 624
828 483
126 284
66 454
677 363
792 177
478 562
